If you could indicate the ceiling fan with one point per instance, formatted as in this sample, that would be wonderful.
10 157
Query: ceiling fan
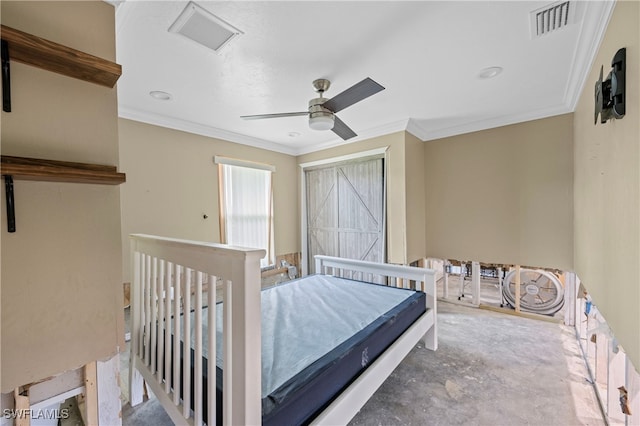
322 111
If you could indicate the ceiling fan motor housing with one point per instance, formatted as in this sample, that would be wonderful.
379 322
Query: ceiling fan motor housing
320 118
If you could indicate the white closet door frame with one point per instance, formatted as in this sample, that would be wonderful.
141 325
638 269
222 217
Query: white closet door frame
373 153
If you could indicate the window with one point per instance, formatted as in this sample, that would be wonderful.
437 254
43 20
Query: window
246 213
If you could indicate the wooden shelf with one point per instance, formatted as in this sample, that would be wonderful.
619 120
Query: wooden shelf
51 56
59 171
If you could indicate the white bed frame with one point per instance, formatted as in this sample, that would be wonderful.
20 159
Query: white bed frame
166 270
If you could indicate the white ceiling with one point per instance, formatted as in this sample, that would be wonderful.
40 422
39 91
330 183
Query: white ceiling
427 54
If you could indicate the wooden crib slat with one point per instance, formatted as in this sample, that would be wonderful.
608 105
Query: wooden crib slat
162 296
186 361
177 295
197 393
211 350
154 312
139 330
147 309
227 358
165 348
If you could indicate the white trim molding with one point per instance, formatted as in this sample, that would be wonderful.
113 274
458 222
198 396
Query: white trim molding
200 129
243 163
362 154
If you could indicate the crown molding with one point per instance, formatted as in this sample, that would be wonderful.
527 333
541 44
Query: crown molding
415 129
588 45
200 129
114 3
212 132
409 125
490 123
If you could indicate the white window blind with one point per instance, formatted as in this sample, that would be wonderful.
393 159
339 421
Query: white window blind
246 217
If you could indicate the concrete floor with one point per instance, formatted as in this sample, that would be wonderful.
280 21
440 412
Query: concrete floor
490 369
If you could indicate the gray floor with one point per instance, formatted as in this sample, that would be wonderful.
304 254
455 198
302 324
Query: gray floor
490 369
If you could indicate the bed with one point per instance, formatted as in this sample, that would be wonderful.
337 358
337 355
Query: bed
312 350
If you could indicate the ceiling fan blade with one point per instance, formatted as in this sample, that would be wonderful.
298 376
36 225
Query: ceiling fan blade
341 129
353 94
278 115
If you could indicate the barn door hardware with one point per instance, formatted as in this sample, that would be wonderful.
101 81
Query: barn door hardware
6 80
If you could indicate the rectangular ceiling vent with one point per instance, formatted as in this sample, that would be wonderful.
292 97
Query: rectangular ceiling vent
551 18
203 27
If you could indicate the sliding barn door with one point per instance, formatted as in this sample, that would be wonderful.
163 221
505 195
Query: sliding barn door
345 211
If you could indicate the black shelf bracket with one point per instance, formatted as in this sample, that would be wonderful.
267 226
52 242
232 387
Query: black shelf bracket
11 211
6 78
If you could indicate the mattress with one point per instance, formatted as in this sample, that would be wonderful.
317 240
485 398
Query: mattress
319 333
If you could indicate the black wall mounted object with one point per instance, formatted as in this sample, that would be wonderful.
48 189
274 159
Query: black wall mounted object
6 78
11 211
610 94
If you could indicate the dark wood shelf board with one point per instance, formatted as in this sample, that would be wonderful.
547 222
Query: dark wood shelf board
51 56
60 171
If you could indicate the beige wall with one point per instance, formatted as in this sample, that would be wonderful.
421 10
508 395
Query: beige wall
172 182
503 195
61 271
416 197
607 189
396 201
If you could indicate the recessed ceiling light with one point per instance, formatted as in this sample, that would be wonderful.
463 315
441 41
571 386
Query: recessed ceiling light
489 72
160 95
294 134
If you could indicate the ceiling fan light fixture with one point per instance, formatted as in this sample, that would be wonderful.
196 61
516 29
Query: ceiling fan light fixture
320 118
321 121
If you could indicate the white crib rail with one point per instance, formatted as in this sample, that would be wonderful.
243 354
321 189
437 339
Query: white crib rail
168 274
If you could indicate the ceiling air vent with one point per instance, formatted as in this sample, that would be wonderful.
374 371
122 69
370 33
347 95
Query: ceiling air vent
551 18
204 28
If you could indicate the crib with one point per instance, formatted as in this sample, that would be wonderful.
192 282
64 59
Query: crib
210 295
